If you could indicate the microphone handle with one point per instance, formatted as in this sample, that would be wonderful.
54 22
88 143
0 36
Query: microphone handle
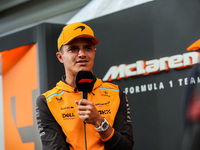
84 96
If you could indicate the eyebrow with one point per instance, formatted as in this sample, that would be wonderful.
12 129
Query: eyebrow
87 45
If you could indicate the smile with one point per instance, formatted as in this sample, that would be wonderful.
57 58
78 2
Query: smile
82 62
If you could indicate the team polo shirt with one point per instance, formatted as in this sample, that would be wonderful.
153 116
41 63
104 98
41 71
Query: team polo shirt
60 102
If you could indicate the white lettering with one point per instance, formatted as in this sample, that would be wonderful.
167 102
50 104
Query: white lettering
126 91
131 90
142 67
114 72
187 81
171 83
144 88
130 70
152 66
137 89
190 58
164 63
150 87
180 81
192 81
175 61
161 86
198 80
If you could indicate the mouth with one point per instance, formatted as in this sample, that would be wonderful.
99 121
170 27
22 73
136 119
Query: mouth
82 62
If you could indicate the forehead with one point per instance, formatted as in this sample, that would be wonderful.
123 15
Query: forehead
78 41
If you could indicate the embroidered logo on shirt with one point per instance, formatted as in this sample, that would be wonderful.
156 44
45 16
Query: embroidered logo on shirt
59 99
105 93
103 104
104 112
68 107
67 116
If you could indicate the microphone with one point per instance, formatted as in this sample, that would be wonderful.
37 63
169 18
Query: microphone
85 83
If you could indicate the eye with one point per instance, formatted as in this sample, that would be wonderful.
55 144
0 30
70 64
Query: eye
88 48
73 49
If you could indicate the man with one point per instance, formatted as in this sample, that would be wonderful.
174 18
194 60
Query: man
61 111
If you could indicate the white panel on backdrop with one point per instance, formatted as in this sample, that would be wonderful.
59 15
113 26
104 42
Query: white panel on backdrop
98 8
1 112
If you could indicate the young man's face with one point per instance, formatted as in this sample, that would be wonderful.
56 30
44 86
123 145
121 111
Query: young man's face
77 56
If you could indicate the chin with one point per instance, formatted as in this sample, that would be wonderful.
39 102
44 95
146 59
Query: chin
85 69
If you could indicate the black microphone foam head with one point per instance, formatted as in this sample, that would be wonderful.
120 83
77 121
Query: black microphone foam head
85 81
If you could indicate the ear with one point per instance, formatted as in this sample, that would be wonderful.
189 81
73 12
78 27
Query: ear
59 56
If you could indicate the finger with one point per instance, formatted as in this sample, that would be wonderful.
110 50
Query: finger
77 102
84 102
82 107
85 107
81 102
87 112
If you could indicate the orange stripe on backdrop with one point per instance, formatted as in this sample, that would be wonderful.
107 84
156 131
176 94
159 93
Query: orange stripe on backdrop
19 80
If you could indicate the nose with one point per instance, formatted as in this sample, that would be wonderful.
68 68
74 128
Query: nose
81 53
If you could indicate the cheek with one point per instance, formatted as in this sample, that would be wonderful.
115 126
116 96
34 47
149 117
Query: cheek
92 57
69 60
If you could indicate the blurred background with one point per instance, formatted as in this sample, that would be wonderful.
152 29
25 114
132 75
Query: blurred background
149 48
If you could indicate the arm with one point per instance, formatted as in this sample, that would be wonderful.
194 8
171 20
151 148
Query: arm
50 131
122 128
123 135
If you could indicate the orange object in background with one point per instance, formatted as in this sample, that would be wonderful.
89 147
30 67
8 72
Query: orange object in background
194 46
19 79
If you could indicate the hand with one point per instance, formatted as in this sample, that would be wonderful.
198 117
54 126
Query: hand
88 112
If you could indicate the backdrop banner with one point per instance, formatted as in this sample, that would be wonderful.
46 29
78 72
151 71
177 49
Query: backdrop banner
143 49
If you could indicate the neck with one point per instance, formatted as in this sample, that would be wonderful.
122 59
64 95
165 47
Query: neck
71 80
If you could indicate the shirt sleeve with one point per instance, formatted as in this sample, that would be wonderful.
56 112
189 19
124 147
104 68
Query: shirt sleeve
123 134
51 134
